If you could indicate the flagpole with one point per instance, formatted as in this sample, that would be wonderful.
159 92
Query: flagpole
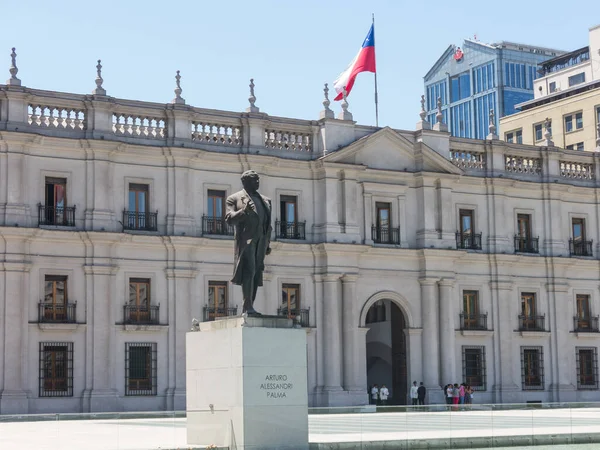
376 100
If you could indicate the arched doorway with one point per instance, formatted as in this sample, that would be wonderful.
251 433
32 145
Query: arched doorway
386 350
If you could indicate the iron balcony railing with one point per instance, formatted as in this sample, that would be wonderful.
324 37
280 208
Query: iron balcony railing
525 244
580 248
301 316
385 235
51 215
468 241
531 323
141 315
473 321
585 324
290 230
135 220
216 226
211 313
56 312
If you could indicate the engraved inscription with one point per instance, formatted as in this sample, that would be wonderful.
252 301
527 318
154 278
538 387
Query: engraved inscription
276 386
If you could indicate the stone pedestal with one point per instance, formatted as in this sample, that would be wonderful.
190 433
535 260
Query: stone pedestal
247 384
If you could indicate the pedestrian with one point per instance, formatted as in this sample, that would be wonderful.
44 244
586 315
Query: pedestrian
455 396
421 392
461 394
449 390
468 396
384 394
374 394
414 395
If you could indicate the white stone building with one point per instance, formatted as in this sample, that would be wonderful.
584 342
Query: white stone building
406 255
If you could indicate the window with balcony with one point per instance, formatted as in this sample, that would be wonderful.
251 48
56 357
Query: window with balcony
529 319
573 122
587 368
140 368
55 210
577 79
139 310
515 136
218 302
289 227
579 246
138 216
524 242
56 369
532 368
471 317
466 238
55 307
213 221
474 373
290 304
383 232
583 320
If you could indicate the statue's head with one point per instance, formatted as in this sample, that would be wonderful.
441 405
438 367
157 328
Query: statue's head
250 181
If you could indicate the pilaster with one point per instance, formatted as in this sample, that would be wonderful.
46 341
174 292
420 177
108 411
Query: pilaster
447 334
350 322
429 319
332 339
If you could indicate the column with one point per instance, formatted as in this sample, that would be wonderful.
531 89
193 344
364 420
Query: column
447 336
560 323
429 320
319 324
332 333
350 337
505 321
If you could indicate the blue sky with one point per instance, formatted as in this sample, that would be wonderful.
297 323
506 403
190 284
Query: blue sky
289 48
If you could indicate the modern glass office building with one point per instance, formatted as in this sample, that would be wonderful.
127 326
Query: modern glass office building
475 78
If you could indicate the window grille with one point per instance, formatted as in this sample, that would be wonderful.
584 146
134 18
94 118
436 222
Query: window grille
587 368
532 368
140 368
56 369
474 373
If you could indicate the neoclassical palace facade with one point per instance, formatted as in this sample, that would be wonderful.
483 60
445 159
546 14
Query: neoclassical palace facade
405 255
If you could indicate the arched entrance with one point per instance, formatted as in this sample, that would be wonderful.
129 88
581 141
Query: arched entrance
386 349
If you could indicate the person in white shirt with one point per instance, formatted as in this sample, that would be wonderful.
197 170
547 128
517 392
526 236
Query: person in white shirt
414 394
383 394
374 394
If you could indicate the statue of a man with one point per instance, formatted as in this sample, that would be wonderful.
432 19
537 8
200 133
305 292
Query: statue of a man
250 214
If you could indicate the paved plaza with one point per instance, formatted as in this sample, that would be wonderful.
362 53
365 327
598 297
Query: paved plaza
170 433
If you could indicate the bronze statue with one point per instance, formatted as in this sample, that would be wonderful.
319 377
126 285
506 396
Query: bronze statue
250 214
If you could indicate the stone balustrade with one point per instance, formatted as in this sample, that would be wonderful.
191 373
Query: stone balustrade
219 134
137 126
577 170
523 164
45 116
467 159
288 140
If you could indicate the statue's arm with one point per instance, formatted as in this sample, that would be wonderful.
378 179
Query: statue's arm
233 216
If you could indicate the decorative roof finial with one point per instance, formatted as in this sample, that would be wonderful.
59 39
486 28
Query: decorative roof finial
548 133
492 127
423 124
252 98
13 81
99 80
178 98
327 113
344 113
439 118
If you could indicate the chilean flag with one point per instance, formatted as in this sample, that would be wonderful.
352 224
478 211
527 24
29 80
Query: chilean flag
363 62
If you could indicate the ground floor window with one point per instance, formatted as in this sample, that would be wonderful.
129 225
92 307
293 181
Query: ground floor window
56 369
532 368
474 373
587 368
140 368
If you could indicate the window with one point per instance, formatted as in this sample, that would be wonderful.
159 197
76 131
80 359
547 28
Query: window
55 298
519 136
587 368
289 209
460 87
138 307
217 299
528 304
514 136
290 300
524 226
577 118
55 210
474 372
577 79
138 198
529 320
376 313
583 312
532 368
140 368
471 319
216 204
552 87
509 137
56 369
597 115
579 146
383 215
467 224
578 228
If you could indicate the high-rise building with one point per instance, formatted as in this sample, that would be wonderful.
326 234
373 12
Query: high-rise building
473 79
567 99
